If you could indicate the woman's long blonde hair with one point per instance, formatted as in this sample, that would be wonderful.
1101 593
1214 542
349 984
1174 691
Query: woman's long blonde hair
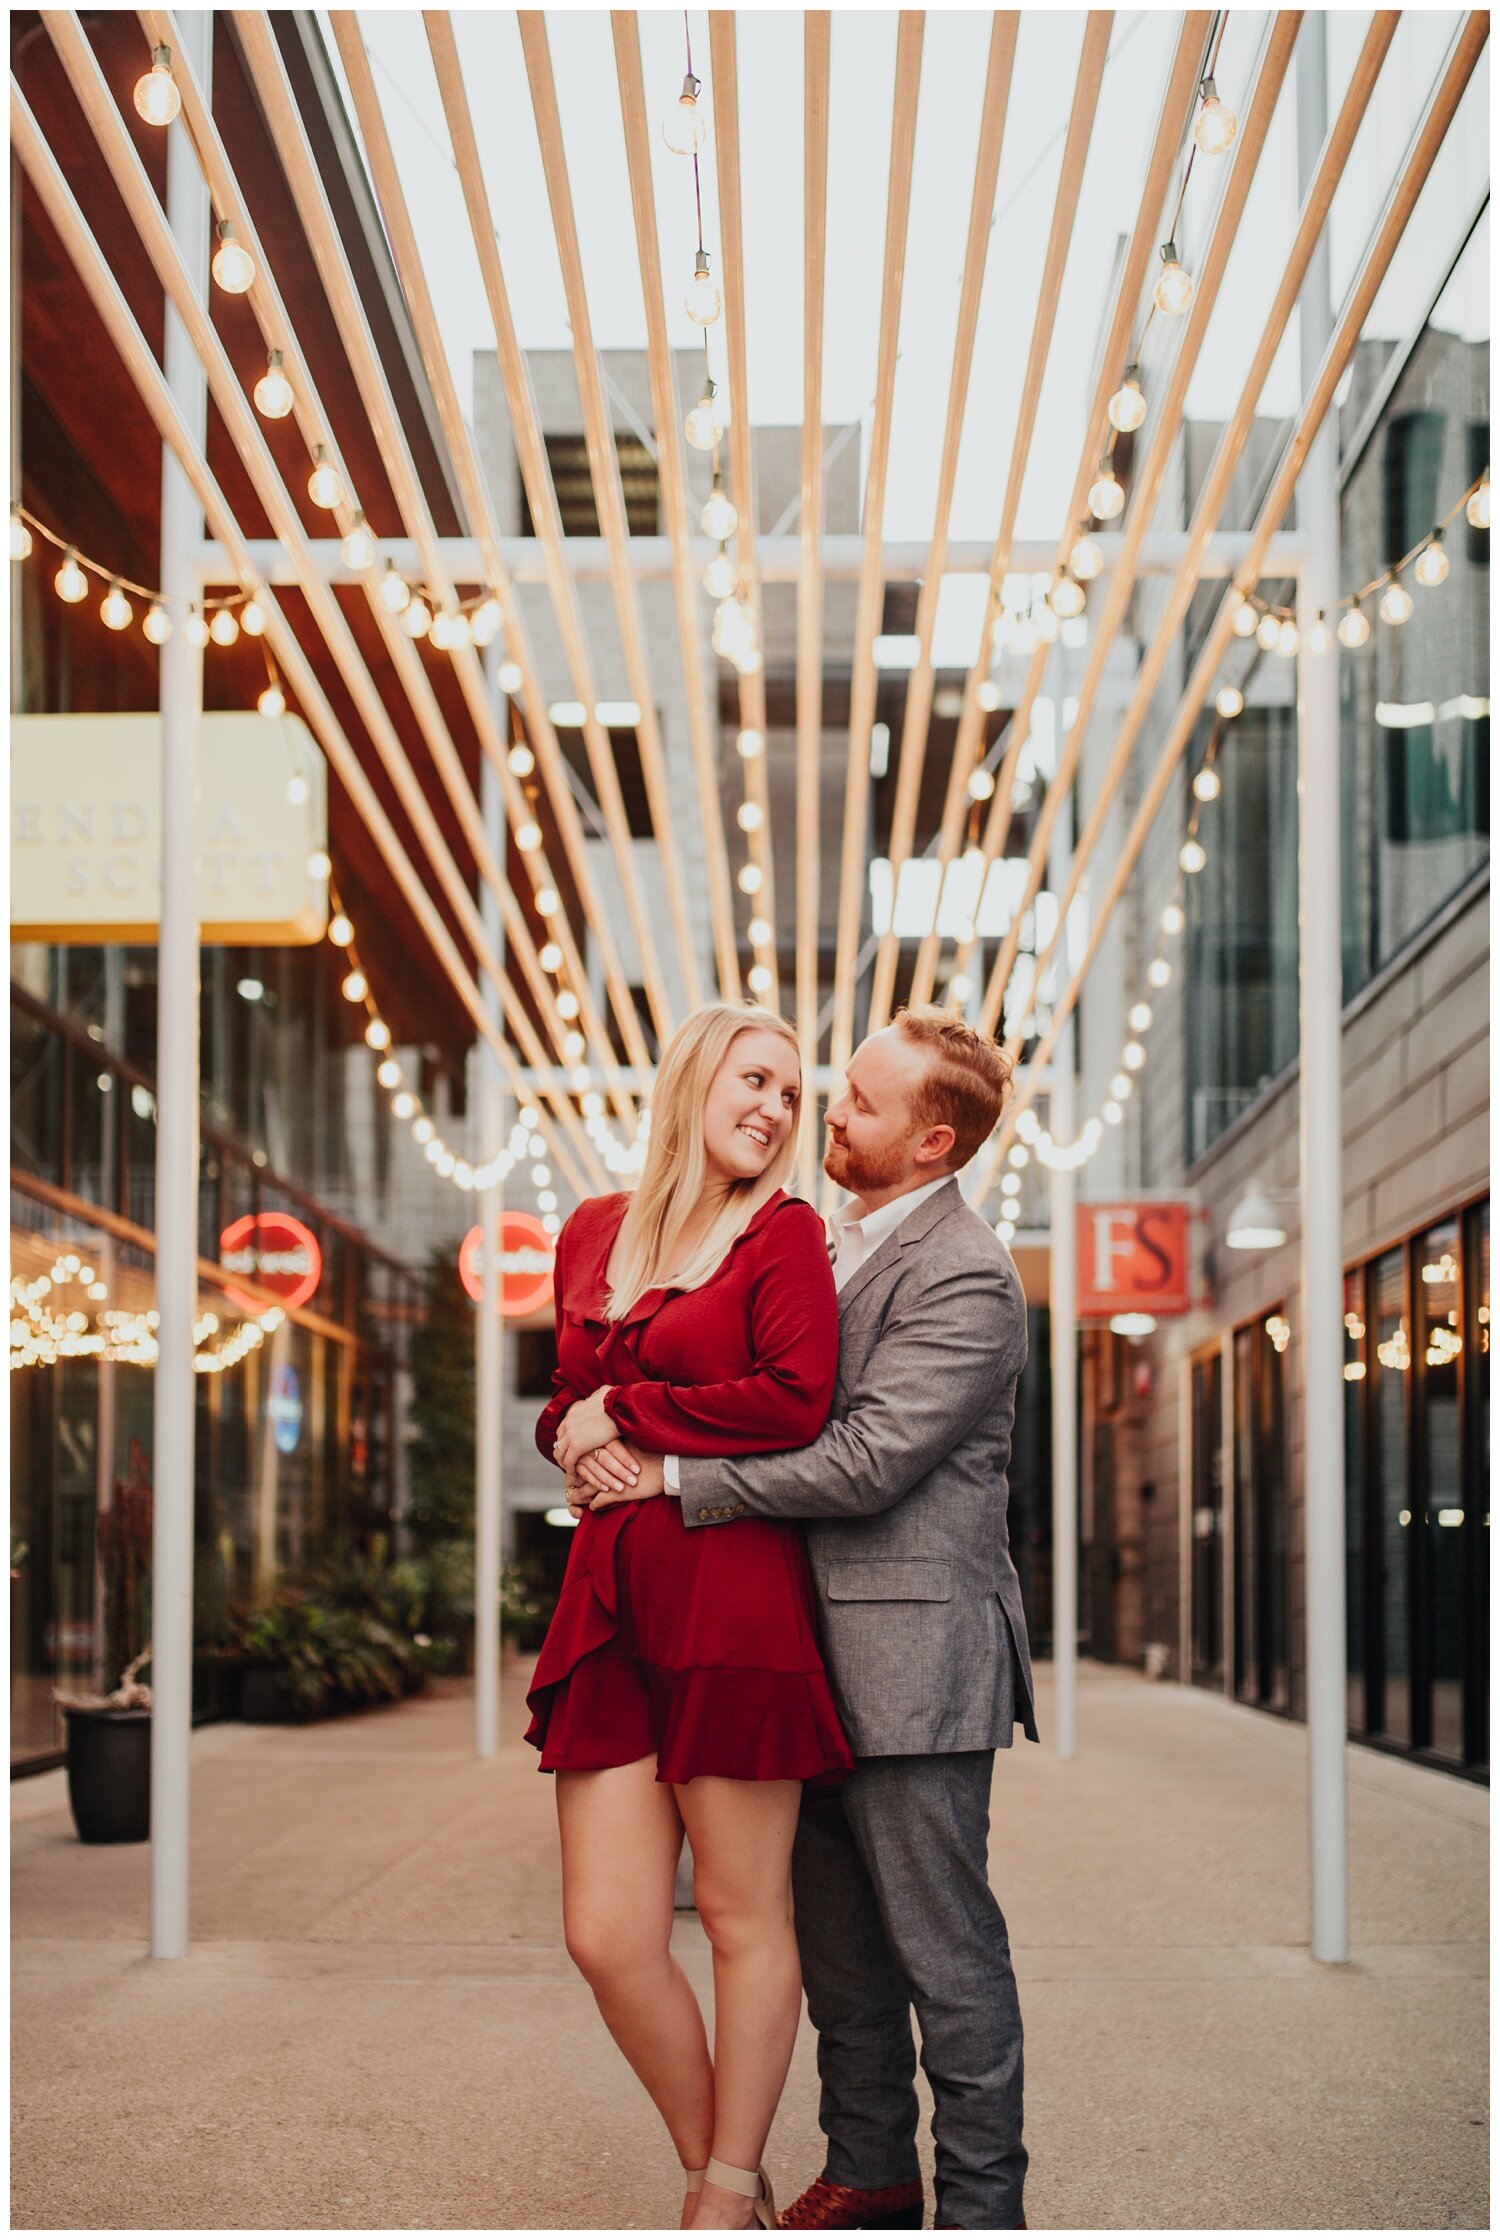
676 1166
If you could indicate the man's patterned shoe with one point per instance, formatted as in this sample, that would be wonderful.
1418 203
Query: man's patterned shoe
826 2207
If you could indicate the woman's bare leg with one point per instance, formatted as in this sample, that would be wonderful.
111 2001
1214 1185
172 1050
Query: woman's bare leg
741 1833
621 1839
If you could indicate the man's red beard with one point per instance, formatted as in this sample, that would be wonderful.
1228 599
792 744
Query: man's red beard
842 1164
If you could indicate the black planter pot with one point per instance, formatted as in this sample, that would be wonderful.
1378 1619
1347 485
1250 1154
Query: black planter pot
109 1774
264 1698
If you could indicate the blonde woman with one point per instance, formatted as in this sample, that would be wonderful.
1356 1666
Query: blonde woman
681 1684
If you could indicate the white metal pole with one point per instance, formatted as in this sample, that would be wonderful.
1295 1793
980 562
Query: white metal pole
1063 1299
489 1337
1321 1124
177 1078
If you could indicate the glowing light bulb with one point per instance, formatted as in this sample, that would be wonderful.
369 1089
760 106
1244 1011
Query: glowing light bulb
272 702
759 932
1216 126
719 517
1246 618
233 266
987 693
760 979
20 536
1432 563
1317 636
550 957
1206 784
116 612
70 581
1159 972
225 627
1085 560
750 878
319 864
1268 632
359 545
388 1073
1140 1017
394 592
1174 287
378 1035
1172 919
749 816
484 622
567 1004
416 617
298 790
1133 1056
157 625
509 677
522 761
546 902
196 627
448 630
1288 639
403 1105
355 987
253 619
981 784
704 426
1127 407
528 838
1106 498
750 745
157 100
1396 603
1066 597
1192 855
273 391
1354 629
341 930
325 485
703 302
721 575
684 127
1229 701
1477 506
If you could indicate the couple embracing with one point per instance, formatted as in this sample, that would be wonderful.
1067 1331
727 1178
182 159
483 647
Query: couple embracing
790 1624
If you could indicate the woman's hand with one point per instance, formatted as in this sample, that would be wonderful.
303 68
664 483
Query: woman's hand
585 1427
595 1485
609 1469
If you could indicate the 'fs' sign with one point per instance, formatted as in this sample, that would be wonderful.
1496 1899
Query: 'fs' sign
1131 1258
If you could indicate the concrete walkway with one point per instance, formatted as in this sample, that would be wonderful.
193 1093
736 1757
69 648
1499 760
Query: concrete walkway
378 2027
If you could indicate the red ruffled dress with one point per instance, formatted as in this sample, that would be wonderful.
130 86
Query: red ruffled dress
699 1648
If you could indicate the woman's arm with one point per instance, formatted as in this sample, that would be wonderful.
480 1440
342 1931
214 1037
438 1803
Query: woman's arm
564 1394
783 1401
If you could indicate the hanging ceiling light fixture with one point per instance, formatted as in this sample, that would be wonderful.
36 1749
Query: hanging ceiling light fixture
1106 498
1174 287
157 99
703 301
233 266
1127 407
273 391
684 127
1216 126
704 427
719 517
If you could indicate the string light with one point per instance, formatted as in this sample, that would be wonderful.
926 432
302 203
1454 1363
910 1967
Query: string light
1174 287
1396 603
720 518
1127 407
416 617
721 576
20 536
70 581
703 301
253 619
233 266
325 485
704 426
195 627
1354 629
358 546
273 392
225 628
116 612
1245 618
157 100
393 590
1229 701
1066 598
1432 563
272 701
1216 126
158 624
1085 561
1477 506
684 127
1106 498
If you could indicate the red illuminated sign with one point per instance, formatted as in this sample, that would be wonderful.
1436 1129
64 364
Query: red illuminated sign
278 1251
527 1254
1133 1259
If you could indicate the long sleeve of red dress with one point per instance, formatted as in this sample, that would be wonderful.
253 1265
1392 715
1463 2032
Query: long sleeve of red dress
787 1296
549 1422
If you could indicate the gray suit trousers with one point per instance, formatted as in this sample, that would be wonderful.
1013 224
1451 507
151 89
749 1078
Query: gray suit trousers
894 1910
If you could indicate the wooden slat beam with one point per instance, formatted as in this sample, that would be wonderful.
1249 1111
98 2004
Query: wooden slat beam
817 33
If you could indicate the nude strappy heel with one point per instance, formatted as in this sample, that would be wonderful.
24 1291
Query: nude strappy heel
753 2184
694 2179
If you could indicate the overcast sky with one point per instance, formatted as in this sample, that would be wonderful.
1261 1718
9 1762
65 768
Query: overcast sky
953 70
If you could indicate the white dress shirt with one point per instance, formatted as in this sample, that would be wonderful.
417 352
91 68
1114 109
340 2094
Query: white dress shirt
853 1235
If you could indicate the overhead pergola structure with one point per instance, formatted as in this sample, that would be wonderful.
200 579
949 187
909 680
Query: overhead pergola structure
573 1005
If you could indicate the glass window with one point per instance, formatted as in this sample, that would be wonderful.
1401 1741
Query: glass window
1355 1380
1242 927
1208 1521
1415 699
1391 1371
1440 1343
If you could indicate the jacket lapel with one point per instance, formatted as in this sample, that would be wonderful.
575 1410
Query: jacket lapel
902 1237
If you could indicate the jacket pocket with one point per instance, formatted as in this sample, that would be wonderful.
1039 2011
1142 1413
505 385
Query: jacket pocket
889 1579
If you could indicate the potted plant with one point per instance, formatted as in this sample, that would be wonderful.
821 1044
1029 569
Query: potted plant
109 1736
303 1656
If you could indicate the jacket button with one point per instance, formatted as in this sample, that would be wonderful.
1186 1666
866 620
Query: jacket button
703 1516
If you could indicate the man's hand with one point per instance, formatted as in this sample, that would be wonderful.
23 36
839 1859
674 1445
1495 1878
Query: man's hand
589 1486
585 1427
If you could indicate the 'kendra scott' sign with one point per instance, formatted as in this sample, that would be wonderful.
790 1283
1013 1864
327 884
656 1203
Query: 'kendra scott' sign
85 860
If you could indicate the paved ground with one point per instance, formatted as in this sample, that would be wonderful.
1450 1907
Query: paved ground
377 2025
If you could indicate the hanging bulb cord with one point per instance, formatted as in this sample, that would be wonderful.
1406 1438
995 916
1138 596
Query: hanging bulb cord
687 37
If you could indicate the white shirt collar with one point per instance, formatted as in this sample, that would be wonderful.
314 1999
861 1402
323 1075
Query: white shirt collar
875 1227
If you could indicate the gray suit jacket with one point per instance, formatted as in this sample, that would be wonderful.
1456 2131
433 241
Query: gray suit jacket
904 1492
